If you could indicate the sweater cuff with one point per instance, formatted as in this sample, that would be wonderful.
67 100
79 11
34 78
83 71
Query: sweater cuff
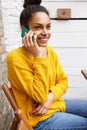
56 94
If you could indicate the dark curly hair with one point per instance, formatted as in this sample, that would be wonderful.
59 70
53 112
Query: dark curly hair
31 2
31 7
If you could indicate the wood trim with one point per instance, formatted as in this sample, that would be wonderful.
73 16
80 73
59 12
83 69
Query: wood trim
84 72
64 0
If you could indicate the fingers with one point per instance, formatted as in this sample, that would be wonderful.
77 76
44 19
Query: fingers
31 44
28 40
31 38
40 110
35 40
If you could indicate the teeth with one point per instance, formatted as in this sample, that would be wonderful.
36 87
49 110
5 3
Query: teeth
44 38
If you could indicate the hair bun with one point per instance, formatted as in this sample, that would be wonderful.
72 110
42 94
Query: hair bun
31 2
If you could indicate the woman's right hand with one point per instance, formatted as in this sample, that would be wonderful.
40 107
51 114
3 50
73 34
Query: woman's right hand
31 45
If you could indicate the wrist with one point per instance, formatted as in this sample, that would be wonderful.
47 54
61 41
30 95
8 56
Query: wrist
51 96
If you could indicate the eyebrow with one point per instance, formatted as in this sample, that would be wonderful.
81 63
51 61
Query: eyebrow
41 24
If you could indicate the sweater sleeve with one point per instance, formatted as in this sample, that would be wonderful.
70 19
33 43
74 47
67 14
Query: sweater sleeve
31 80
61 83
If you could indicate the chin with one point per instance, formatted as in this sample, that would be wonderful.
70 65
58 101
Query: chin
42 44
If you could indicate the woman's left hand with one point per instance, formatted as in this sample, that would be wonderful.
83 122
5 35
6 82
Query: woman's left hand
43 108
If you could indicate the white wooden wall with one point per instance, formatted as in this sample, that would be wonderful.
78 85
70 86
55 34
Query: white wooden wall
69 38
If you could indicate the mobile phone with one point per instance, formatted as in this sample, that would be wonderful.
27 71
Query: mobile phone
25 29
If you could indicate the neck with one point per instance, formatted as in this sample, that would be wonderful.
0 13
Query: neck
44 52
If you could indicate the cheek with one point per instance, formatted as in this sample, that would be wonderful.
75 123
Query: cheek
49 34
37 32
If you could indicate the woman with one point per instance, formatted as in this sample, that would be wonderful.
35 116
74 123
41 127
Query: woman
38 79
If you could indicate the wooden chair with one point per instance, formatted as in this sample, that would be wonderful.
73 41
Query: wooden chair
22 126
20 121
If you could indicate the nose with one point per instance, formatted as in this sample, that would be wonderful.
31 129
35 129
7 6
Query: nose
44 31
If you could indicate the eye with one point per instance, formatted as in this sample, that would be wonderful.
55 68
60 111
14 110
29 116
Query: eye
49 27
38 27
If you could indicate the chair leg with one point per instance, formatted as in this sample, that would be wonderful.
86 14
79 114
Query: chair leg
14 124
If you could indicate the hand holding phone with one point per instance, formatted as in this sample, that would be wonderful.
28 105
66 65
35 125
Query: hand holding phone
35 52
25 30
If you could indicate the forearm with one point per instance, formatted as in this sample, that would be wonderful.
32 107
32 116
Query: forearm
59 89
30 78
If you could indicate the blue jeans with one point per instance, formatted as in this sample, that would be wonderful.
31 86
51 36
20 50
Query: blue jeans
75 118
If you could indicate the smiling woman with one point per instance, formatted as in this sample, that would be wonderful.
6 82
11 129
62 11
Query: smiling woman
37 78
39 25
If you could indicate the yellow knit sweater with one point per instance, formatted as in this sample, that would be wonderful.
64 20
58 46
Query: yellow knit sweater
32 78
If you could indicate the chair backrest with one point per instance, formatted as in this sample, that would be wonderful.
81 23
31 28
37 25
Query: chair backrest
22 126
10 96
17 112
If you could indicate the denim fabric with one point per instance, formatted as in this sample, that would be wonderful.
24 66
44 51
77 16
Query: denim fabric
77 107
75 117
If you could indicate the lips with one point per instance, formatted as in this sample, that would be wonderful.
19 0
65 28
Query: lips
43 40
